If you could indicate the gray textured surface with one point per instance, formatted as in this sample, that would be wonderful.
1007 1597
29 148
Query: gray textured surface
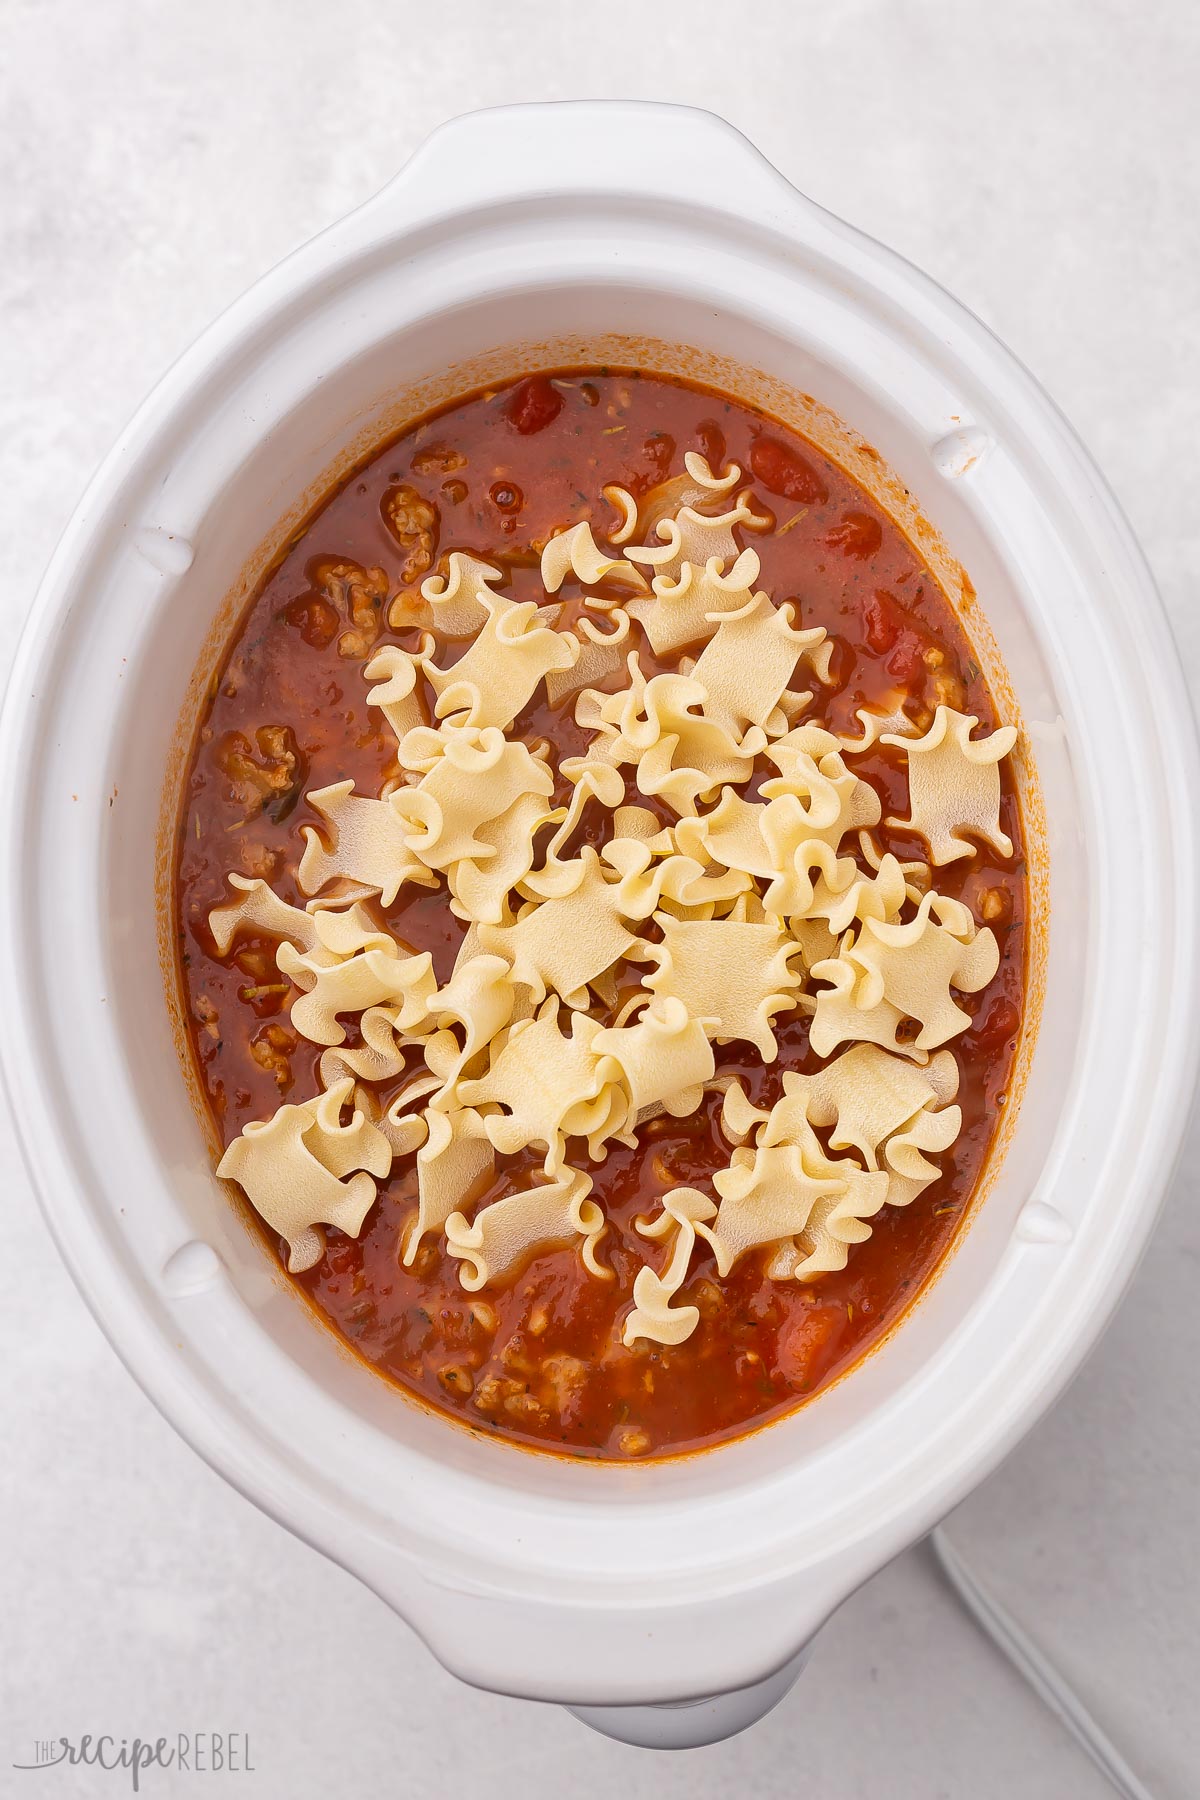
1042 161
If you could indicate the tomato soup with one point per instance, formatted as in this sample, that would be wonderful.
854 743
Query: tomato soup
543 1355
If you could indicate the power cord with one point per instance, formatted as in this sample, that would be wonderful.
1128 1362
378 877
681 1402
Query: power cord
1046 1681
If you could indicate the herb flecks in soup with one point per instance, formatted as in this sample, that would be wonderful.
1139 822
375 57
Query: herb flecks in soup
620 961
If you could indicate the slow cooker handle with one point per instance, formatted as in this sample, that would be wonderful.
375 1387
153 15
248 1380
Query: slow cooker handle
592 147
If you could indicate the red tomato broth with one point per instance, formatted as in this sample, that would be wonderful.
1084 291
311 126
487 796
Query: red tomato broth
541 1362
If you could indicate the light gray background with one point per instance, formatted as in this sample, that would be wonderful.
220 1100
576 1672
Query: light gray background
1040 157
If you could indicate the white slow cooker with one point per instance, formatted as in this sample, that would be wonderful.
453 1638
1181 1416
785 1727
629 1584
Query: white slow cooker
669 1603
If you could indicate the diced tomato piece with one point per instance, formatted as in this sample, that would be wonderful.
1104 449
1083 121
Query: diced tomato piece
882 625
906 662
711 440
533 405
344 1258
1001 1024
785 472
855 534
806 1343
658 451
316 621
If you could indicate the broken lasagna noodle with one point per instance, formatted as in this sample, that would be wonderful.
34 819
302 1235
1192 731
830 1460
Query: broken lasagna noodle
688 906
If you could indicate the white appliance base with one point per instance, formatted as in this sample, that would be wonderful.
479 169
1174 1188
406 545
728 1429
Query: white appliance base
689 1724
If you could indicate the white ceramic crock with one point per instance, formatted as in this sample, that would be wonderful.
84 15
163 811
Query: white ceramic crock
514 235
